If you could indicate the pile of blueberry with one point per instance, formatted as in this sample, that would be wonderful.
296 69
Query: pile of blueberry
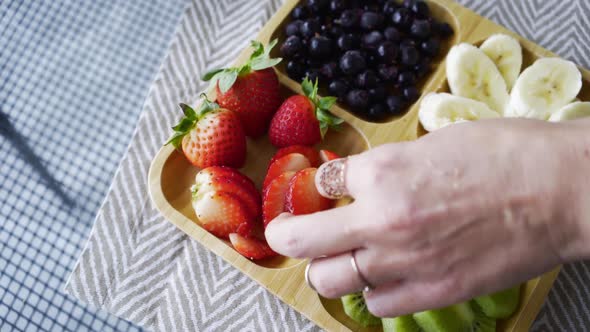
368 53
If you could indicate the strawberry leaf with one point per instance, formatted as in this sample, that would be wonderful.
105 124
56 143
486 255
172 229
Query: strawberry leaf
176 140
258 49
263 63
209 75
307 88
326 103
190 119
188 111
227 79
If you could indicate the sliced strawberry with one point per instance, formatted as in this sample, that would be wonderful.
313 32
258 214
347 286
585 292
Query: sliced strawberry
292 162
327 155
273 201
310 153
234 185
302 195
221 213
251 248
205 175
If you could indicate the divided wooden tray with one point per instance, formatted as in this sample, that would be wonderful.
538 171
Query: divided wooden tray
171 176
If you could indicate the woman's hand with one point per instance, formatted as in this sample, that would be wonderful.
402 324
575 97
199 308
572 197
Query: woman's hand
464 211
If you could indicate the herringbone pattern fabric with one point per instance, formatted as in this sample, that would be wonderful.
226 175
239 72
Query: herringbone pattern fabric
141 267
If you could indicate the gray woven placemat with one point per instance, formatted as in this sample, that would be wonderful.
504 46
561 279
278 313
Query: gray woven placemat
139 266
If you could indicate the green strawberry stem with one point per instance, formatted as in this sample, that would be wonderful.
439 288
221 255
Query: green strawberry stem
259 60
322 107
190 119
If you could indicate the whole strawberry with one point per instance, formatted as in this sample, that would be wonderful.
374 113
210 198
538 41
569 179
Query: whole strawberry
303 119
252 90
210 136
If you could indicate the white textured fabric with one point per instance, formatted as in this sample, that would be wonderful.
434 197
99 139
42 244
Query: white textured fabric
139 266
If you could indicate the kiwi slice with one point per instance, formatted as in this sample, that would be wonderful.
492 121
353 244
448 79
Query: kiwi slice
482 322
455 318
501 304
400 324
355 308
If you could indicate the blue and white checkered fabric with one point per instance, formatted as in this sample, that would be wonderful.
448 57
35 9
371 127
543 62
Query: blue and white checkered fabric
73 77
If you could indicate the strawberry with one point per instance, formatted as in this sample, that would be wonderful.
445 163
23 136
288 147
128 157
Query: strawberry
221 213
205 175
302 195
250 247
273 197
303 119
327 155
291 162
210 136
310 153
250 198
252 90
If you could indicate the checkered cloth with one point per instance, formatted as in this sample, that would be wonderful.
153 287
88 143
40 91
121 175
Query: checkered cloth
73 78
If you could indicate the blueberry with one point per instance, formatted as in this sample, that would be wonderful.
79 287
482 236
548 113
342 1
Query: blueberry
299 13
420 8
358 99
313 62
338 88
387 73
402 18
430 46
310 27
329 70
377 94
336 31
367 79
348 42
291 46
422 68
320 47
408 3
372 39
313 75
408 42
410 55
406 78
387 52
352 62
411 93
392 34
390 7
337 6
295 70
420 28
292 29
395 104
371 20
350 18
318 6
443 29
378 112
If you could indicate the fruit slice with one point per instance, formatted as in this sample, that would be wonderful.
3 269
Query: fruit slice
310 153
438 110
575 110
455 318
506 53
221 213
251 248
471 74
273 197
501 304
292 162
482 323
543 88
327 155
207 174
400 324
356 308
245 193
303 196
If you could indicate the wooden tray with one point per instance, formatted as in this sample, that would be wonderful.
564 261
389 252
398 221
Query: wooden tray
171 176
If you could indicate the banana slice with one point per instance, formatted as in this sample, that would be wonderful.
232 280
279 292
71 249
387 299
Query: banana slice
506 53
571 111
471 74
543 88
439 110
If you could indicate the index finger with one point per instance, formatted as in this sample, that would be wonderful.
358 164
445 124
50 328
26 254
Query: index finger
313 235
